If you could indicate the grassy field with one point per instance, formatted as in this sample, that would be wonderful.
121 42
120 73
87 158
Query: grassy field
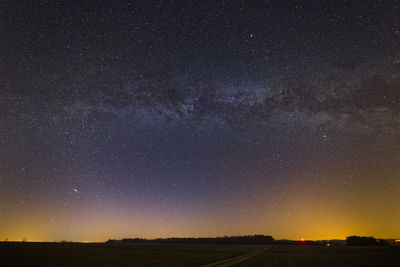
325 256
72 254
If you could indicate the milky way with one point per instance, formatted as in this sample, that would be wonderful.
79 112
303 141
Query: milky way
199 118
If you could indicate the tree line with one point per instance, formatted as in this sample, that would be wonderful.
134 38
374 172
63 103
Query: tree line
247 239
257 239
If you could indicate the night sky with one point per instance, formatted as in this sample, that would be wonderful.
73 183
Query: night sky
199 118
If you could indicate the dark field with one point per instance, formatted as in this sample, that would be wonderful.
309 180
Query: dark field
73 254
70 254
326 256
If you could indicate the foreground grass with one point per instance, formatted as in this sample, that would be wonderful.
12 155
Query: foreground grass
76 254
325 256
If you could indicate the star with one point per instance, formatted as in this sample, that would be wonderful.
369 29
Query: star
178 112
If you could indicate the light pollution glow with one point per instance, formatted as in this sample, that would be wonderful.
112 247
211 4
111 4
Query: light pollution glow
120 119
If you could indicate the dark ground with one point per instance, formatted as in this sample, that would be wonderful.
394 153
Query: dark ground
77 254
326 256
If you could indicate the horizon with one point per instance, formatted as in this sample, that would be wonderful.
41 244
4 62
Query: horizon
185 237
199 118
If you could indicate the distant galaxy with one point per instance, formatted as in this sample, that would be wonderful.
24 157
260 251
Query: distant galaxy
199 118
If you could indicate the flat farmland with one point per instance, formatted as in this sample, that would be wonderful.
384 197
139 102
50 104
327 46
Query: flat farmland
79 254
99 254
280 255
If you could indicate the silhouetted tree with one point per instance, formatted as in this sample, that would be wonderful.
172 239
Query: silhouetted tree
361 241
254 239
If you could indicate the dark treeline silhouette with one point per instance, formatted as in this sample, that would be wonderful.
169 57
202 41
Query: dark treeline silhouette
355 240
258 239
248 239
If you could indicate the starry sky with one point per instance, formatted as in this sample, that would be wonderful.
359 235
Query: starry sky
199 118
